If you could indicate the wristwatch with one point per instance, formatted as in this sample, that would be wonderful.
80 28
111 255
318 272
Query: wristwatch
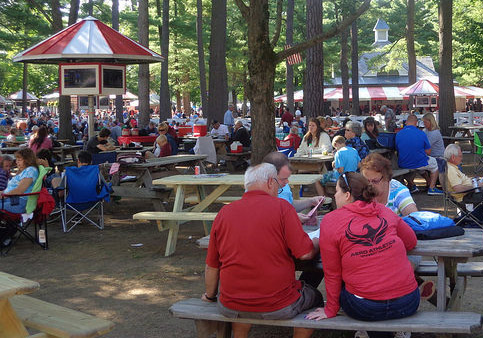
213 299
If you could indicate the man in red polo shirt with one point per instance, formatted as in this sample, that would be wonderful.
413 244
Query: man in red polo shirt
252 245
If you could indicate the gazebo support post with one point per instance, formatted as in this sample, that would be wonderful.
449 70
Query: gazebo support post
90 114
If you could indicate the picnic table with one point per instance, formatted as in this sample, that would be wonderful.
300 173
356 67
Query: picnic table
220 182
449 252
464 129
18 311
144 173
315 164
63 151
140 139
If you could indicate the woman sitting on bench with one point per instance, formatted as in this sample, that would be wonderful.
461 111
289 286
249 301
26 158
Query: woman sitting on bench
363 246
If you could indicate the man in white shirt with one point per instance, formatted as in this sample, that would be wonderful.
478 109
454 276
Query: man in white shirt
220 130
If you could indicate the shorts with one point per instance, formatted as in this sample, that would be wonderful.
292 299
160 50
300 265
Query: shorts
431 166
309 298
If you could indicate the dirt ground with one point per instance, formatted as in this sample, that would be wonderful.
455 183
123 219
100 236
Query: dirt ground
101 273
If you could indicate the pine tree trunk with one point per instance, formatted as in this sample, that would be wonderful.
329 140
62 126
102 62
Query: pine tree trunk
261 68
143 81
410 42
118 103
447 103
355 69
24 88
218 80
289 39
74 11
344 69
165 97
201 54
314 72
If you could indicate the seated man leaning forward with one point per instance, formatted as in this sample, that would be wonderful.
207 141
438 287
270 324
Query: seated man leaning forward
250 256
413 150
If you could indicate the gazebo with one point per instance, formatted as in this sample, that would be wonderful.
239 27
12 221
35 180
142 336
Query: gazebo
85 47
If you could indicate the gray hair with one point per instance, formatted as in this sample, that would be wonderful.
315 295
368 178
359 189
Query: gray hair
355 127
259 174
451 150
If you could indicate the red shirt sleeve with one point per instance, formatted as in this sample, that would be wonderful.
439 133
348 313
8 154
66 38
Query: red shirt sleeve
297 240
331 261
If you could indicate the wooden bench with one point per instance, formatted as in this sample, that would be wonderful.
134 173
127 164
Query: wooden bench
470 269
58 321
172 222
208 320
452 139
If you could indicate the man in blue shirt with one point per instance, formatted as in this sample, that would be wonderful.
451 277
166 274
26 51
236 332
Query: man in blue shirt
228 119
413 150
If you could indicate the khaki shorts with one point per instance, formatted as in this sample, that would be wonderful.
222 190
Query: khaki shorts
309 298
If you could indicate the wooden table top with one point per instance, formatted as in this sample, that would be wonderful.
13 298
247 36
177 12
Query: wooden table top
11 285
468 245
297 179
173 159
316 158
466 127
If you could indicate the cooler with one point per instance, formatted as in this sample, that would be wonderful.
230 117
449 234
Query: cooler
184 130
200 130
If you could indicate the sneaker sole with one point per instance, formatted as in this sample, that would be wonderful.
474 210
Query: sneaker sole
435 194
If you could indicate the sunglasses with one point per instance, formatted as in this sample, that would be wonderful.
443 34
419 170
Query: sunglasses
344 176
375 181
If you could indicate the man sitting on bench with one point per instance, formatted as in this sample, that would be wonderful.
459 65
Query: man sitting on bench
250 255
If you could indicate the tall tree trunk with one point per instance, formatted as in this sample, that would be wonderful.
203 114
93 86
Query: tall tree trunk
164 96
261 67
218 81
115 25
447 103
143 81
344 69
289 39
355 67
64 109
24 88
201 54
90 8
314 71
74 11
410 45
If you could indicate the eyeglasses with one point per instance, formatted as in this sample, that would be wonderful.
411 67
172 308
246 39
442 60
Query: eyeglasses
280 187
344 176
375 181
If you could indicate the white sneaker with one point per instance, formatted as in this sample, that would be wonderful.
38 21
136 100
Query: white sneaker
361 334
402 334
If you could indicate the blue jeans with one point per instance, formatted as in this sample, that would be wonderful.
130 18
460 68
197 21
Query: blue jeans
370 310
14 205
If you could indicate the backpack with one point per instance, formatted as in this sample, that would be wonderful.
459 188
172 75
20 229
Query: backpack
387 140
430 225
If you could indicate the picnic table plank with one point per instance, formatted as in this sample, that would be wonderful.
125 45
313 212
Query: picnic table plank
13 285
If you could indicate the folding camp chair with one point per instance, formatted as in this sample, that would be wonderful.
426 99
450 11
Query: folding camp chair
462 212
85 191
286 147
39 205
478 138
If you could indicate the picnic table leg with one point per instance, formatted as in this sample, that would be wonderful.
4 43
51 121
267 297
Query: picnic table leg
174 225
441 301
211 198
10 324
201 196
205 329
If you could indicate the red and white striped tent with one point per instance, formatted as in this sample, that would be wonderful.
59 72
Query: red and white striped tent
421 88
369 94
88 40
17 96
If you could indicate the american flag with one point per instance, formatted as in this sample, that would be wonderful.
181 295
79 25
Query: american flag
294 58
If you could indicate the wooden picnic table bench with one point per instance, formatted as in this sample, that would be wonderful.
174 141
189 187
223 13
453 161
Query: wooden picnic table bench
469 269
452 139
209 320
58 321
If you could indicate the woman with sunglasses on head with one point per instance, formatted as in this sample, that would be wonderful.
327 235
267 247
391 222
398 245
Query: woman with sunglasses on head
392 193
364 248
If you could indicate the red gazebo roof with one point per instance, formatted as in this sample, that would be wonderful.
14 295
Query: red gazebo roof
88 40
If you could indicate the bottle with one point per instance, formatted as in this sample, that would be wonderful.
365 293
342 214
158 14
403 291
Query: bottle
311 151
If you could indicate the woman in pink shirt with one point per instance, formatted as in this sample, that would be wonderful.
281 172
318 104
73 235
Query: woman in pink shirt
363 246
40 141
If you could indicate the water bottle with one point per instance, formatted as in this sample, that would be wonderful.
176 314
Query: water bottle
311 151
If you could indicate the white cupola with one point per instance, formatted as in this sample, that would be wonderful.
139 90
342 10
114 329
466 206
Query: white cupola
381 33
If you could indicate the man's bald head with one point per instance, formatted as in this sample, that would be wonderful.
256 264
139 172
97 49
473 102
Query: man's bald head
279 160
412 120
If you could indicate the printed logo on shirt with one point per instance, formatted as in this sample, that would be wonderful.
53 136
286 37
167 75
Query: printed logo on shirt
371 237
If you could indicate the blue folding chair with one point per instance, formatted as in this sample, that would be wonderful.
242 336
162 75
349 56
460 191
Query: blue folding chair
85 191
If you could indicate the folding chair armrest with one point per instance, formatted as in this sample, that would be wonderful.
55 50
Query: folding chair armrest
20 195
